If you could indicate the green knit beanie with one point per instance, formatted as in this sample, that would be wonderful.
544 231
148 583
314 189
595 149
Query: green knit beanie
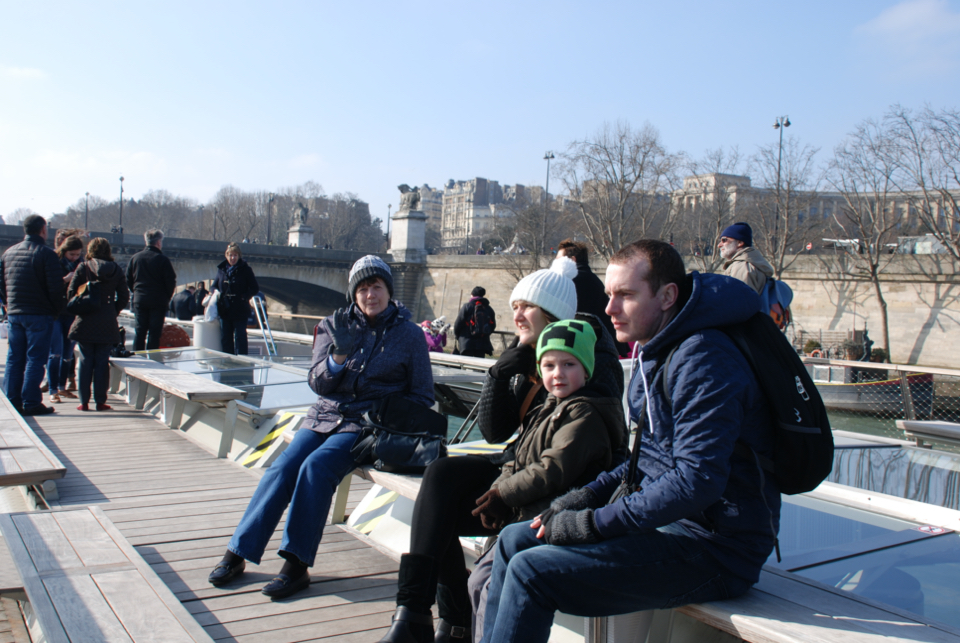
570 336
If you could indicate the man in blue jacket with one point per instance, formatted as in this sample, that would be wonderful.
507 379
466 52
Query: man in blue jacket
32 289
703 520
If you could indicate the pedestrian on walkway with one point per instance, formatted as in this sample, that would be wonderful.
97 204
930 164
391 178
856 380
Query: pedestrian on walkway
151 280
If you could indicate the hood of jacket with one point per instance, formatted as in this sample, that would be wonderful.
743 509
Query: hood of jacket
752 256
482 300
714 300
103 269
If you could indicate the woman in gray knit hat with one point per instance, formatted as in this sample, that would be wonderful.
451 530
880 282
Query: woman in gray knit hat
364 352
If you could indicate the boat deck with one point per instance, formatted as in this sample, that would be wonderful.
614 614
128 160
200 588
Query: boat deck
178 504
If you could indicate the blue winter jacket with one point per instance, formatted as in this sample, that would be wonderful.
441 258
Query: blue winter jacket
688 471
389 357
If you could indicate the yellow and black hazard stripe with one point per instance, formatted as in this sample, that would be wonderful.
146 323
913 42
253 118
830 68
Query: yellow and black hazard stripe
270 438
374 511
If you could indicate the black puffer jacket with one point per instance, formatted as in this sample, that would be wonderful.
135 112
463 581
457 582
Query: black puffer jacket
461 327
31 279
501 399
151 278
100 326
236 288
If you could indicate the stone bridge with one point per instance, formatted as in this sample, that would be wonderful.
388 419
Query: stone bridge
303 281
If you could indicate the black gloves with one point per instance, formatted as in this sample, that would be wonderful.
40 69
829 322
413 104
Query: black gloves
493 511
572 500
521 360
343 332
571 528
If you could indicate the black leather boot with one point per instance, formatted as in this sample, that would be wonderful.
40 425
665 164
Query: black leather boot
455 615
413 622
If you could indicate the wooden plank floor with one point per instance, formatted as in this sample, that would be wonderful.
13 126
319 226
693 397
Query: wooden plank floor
178 504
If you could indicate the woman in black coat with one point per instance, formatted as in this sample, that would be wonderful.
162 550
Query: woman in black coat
97 332
237 284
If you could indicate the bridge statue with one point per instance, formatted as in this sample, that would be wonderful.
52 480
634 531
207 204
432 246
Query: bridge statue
409 198
300 214
407 240
300 234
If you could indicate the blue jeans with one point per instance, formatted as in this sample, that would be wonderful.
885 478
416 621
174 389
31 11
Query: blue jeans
95 368
305 476
56 354
659 569
28 348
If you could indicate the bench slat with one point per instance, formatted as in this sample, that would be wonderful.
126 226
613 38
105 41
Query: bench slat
85 582
127 592
24 458
189 386
82 610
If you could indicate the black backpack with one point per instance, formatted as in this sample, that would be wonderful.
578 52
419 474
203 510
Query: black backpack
481 325
803 441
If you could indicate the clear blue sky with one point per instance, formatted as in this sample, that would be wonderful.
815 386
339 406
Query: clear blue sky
360 97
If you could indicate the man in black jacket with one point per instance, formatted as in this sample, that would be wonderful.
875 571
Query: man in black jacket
590 296
184 305
31 287
152 280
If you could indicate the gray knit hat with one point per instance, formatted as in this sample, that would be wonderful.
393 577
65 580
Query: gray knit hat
364 268
551 289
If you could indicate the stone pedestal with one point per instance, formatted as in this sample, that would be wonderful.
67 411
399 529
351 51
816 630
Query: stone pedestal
300 236
408 236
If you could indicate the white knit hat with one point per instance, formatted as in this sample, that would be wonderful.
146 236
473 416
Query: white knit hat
551 289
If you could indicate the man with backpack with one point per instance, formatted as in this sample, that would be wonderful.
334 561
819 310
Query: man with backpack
698 517
474 325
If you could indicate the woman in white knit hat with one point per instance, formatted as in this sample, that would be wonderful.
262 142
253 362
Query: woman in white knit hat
452 488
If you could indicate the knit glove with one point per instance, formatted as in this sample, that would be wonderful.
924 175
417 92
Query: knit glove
571 528
520 360
573 501
343 332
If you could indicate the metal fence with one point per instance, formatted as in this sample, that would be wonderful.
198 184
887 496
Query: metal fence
887 391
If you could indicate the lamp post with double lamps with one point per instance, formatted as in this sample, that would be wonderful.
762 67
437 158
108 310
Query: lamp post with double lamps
780 123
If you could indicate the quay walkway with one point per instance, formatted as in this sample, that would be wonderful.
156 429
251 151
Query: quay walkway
178 504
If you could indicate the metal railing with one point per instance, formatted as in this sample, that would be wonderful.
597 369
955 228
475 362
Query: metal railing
887 391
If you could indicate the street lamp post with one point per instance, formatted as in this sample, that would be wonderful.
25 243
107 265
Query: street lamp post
216 211
548 156
120 226
780 123
200 208
389 208
86 211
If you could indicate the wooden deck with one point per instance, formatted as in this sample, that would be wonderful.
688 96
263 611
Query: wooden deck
178 504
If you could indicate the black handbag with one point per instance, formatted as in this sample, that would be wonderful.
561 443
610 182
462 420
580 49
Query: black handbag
87 299
400 436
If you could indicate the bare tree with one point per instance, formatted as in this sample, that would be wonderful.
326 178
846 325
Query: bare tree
862 170
17 216
534 226
708 203
926 150
621 180
781 218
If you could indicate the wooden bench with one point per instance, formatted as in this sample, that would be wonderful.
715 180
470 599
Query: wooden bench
24 459
927 431
786 608
85 582
183 387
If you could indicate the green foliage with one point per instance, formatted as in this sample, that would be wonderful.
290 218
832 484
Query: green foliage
811 345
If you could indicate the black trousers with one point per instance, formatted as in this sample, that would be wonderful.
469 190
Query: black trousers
94 369
233 335
448 494
148 323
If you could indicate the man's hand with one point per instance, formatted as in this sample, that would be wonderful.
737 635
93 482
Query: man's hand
343 333
493 511
520 360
